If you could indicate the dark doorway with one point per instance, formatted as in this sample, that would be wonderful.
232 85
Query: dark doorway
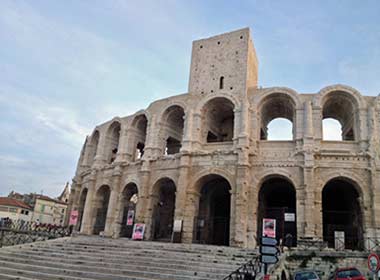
342 212
213 221
129 201
163 211
101 207
277 200
82 203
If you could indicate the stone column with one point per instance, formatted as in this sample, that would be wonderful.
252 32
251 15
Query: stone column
87 223
197 137
192 205
188 132
100 151
112 214
182 186
152 149
122 152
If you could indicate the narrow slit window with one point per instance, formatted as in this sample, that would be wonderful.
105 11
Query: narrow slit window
221 83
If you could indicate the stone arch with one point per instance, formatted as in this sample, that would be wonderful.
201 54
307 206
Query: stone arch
276 104
218 120
279 173
277 196
348 176
163 204
172 128
343 213
101 202
112 141
207 98
92 147
198 177
342 104
139 125
128 202
213 213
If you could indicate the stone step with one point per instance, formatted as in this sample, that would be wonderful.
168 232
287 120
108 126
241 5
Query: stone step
77 274
102 268
95 258
206 267
127 255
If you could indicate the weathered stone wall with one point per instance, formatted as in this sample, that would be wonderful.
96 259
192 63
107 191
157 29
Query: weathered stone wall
307 162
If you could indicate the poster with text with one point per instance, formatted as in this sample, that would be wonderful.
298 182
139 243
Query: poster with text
138 232
73 218
269 228
130 217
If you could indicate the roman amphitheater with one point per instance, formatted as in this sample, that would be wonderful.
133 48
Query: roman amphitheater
203 160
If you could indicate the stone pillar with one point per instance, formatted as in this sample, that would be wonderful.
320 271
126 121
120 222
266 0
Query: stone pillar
252 213
100 151
122 152
188 132
192 206
182 187
197 132
309 209
300 205
87 223
152 149
112 214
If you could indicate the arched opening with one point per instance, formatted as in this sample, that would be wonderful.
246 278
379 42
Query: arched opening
331 130
280 129
140 124
218 124
82 203
277 200
128 208
339 106
277 106
93 147
342 213
101 206
172 129
212 225
112 142
163 209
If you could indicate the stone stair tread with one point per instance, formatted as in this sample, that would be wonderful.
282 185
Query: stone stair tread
97 258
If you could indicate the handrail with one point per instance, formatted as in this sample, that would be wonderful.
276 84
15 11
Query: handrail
247 271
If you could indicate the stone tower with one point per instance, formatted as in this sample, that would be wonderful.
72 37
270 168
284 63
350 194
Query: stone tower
223 63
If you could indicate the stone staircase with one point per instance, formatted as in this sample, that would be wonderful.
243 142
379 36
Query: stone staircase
90 257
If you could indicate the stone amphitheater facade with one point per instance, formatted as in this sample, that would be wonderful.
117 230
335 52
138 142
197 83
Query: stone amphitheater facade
203 158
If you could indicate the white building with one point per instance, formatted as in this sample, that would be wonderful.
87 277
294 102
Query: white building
15 209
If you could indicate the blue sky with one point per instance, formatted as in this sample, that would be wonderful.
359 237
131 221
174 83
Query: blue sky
67 66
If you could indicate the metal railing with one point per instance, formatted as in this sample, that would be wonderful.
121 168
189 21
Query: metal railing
248 271
20 232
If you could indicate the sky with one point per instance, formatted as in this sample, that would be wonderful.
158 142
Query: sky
66 66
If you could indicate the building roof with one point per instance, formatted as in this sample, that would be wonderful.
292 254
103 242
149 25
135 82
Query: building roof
6 201
46 198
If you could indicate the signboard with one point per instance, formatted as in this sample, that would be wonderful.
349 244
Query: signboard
269 250
269 259
138 232
269 228
177 226
290 217
268 241
130 217
339 240
73 218
373 263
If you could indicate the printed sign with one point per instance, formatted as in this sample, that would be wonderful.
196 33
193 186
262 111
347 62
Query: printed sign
138 232
73 218
269 228
130 217
290 217
177 226
339 240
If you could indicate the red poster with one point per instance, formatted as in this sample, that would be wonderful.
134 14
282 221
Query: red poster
138 232
269 228
130 216
73 218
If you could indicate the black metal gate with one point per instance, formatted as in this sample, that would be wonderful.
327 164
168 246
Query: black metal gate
214 231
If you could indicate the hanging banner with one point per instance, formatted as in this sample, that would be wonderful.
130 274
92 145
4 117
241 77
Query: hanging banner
138 232
269 228
130 217
73 218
